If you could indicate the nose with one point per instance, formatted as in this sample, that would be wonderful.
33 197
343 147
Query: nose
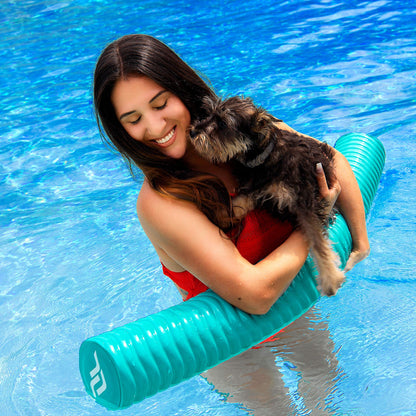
155 125
192 133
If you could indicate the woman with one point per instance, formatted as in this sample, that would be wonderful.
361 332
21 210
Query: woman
145 98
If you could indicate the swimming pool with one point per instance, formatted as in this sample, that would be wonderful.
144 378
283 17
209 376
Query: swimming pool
74 261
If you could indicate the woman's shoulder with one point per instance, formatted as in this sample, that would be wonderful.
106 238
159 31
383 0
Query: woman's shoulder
146 192
148 201
153 210
155 207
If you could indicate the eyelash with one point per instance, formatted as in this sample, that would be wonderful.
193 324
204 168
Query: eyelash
161 107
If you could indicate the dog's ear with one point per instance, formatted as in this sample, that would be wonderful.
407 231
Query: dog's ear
249 108
209 104
242 111
243 106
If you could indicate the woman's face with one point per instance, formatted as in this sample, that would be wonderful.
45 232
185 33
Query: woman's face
152 115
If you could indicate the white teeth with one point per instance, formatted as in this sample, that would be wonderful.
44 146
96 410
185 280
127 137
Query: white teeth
166 138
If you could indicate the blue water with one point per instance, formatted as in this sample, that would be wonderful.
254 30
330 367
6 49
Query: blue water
74 261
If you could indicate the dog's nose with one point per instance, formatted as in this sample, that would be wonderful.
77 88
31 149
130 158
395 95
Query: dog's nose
192 134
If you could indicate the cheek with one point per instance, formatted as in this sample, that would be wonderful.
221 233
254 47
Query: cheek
187 118
182 113
134 132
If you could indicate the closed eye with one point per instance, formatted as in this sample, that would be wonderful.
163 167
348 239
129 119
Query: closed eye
158 108
161 107
135 121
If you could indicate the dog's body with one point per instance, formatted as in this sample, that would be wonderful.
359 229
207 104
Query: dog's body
276 170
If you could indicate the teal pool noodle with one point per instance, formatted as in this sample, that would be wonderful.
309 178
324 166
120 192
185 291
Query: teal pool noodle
137 360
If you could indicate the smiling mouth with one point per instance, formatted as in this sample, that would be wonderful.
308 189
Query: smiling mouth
165 139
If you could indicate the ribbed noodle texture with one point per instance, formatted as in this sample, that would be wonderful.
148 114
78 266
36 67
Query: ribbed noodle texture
130 363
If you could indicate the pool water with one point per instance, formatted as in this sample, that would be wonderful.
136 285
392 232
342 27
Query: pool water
74 261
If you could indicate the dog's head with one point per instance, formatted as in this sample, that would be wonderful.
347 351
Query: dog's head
226 132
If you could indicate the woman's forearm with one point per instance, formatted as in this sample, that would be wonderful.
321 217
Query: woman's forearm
274 274
350 203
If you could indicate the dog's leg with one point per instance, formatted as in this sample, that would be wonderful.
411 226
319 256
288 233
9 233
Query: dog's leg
326 260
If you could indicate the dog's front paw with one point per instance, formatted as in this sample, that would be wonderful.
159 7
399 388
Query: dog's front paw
242 204
329 283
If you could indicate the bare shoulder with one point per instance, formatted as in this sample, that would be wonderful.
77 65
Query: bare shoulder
165 221
152 204
164 218
182 235
146 200
283 126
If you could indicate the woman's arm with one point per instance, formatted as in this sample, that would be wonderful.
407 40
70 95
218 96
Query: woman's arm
182 235
350 203
185 239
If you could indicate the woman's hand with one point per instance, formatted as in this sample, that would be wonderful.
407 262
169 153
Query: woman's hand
330 195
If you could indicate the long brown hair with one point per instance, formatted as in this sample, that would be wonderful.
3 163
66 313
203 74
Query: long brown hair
144 55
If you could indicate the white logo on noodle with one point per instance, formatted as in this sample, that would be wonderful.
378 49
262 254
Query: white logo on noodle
96 375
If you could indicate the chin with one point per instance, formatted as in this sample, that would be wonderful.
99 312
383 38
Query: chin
177 153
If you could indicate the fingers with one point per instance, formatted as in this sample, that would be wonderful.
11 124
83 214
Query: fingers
354 258
321 178
336 188
329 194
323 184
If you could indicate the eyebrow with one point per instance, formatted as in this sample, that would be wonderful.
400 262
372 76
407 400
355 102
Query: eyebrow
134 111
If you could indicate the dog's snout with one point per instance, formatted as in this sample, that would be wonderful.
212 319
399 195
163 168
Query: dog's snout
192 133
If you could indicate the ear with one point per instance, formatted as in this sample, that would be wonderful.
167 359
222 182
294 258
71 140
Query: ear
228 115
209 104
242 106
250 109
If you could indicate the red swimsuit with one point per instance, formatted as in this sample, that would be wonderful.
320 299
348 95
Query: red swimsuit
260 235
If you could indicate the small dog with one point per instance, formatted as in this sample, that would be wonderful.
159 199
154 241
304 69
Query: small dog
276 170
